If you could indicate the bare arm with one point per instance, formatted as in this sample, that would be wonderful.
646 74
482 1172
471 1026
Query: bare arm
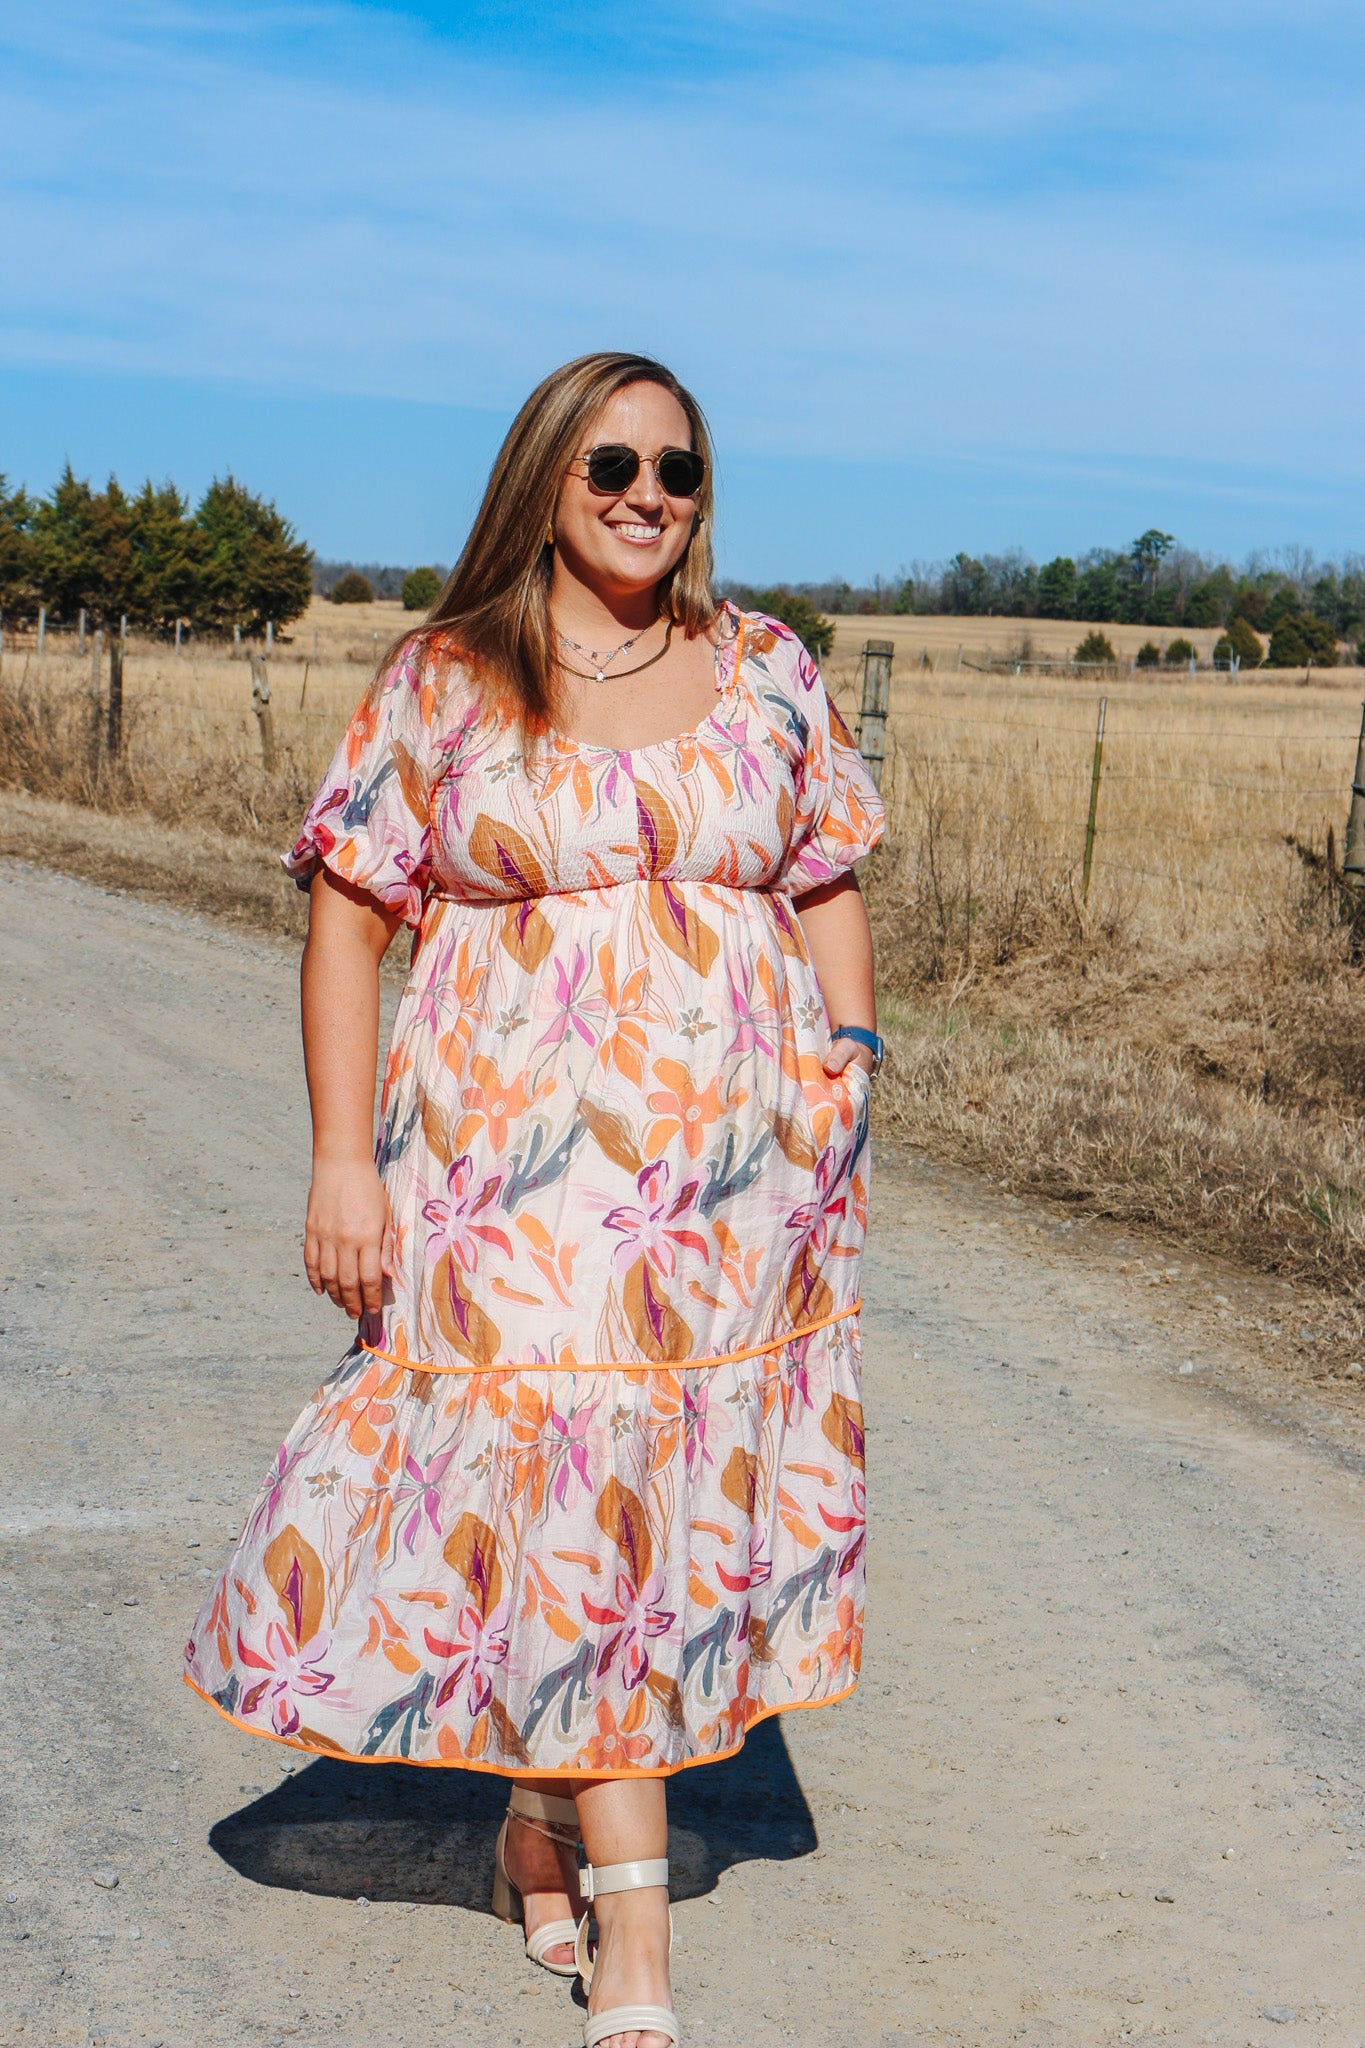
839 940
348 1235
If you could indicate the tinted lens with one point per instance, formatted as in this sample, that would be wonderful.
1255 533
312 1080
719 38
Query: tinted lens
681 472
613 467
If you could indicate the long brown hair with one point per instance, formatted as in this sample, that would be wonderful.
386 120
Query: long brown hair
495 606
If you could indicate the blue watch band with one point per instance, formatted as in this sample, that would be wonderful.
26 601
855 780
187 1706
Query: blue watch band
870 1039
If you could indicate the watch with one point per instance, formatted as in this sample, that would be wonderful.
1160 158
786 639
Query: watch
871 1039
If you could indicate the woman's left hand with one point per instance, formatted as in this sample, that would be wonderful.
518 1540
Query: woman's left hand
846 1052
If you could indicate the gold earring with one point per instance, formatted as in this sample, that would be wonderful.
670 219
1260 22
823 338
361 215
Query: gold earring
549 536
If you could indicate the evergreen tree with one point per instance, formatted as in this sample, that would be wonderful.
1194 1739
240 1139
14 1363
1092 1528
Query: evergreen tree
64 530
1097 589
1298 638
167 547
111 537
1283 605
18 555
815 632
421 588
1210 602
1057 589
1148 552
253 567
1240 640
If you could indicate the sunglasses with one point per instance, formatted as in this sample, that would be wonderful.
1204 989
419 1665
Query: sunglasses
613 468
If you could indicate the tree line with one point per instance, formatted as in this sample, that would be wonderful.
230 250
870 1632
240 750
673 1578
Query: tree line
232 562
1153 582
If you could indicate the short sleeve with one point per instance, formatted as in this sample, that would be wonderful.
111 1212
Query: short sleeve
370 820
840 815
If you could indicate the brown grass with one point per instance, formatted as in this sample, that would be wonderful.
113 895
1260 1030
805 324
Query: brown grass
1185 1050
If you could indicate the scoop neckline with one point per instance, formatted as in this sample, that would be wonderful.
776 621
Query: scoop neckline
676 739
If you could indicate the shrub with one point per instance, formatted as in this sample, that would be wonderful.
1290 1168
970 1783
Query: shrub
1239 640
800 614
1148 655
1250 604
1299 639
1096 647
352 588
1180 651
421 588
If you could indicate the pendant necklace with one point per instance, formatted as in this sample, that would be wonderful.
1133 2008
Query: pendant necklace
602 662
598 677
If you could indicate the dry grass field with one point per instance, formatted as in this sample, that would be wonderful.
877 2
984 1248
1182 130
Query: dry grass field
1183 1048
932 642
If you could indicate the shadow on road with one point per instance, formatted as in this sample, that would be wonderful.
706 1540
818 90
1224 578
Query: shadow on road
361 1830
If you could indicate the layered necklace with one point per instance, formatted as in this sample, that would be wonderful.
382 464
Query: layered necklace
602 662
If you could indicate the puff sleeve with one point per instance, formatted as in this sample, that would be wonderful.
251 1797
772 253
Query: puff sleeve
370 821
840 815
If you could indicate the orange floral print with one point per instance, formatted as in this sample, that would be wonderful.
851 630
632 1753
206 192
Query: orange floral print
586 1494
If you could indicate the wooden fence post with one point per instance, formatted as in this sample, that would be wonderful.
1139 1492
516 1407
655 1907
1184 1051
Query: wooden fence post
1353 859
877 658
42 627
303 693
265 717
178 624
113 732
1094 802
80 646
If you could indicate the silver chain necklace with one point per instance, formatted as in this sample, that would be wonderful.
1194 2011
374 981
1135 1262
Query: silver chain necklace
600 663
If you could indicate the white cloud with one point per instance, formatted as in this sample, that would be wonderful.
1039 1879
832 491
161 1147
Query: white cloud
1020 248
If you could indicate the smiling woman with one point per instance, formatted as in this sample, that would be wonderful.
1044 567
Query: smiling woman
584 1501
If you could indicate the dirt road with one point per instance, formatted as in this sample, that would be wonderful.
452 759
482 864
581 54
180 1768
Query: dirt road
1103 1777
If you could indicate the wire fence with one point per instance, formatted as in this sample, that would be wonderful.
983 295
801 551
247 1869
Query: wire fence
1245 800
1198 785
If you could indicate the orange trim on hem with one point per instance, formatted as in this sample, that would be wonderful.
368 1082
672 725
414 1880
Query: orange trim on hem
452 1763
618 1364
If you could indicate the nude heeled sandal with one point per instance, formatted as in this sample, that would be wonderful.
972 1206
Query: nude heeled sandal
557 1820
595 1883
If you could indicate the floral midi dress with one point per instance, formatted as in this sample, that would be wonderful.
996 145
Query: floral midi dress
587 1495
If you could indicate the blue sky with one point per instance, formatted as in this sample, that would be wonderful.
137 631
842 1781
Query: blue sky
949 275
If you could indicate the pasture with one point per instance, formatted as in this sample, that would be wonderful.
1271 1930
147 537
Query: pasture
1183 1046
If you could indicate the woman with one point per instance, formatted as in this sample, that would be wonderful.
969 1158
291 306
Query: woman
584 1500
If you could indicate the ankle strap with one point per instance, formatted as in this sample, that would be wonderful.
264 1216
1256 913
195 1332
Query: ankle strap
528 1805
594 1882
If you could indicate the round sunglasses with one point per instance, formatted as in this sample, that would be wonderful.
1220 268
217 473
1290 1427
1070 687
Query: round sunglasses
613 468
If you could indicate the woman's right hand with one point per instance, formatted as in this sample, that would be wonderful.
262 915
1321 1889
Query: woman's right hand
348 1235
